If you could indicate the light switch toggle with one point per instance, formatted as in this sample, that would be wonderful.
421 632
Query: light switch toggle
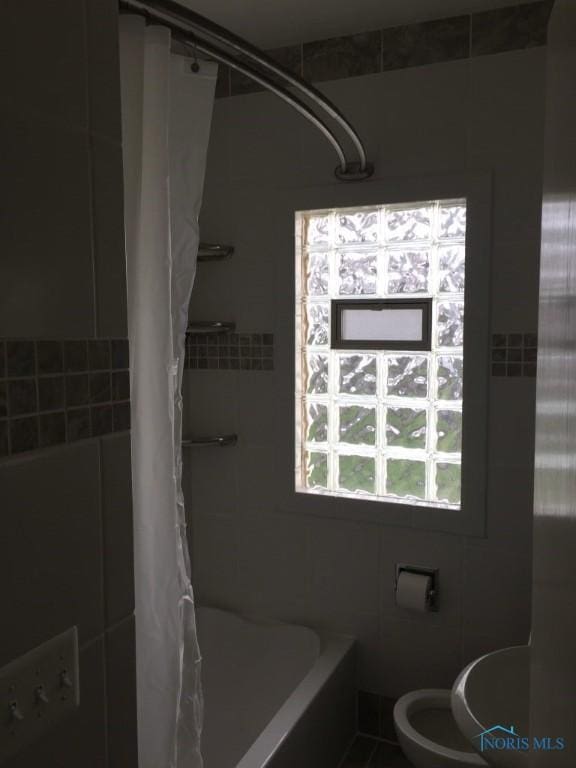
15 714
40 695
65 679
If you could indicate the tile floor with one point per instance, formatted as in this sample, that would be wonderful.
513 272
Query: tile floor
366 752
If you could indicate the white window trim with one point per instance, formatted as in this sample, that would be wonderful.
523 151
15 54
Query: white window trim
476 188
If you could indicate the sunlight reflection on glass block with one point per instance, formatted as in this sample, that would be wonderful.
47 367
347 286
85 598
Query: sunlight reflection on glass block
318 319
451 265
406 427
452 221
360 227
317 274
406 478
357 273
449 431
357 425
357 473
317 230
317 422
450 382
450 324
408 272
317 378
316 470
409 224
407 376
358 375
448 482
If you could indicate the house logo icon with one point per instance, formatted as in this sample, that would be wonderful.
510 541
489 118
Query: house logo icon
499 737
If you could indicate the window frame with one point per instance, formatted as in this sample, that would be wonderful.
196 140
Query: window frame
423 345
470 519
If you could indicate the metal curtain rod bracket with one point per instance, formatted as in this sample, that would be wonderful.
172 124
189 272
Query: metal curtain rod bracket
214 251
210 326
185 23
206 442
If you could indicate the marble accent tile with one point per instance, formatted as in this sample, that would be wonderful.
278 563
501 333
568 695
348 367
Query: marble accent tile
49 356
514 354
4 439
430 42
77 390
98 355
24 434
289 57
20 358
230 351
101 419
120 354
75 356
341 57
121 416
52 429
511 28
77 424
22 397
48 386
51 393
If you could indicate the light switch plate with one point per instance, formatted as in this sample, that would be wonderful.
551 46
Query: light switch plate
37 691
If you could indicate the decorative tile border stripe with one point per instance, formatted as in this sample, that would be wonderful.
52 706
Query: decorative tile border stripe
230 351
514 354
460 37
54 392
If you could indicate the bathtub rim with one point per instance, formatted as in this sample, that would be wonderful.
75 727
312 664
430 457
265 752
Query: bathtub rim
334 649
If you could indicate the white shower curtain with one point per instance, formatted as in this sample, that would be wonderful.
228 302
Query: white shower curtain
166 114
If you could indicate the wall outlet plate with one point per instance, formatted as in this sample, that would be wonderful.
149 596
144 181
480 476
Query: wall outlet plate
37 691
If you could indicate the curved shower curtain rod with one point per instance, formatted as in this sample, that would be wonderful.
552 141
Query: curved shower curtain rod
179 22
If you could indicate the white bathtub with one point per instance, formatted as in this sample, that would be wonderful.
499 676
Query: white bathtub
276 695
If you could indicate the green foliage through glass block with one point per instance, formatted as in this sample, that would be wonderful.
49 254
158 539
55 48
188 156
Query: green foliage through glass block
357 473
448 483
449 431
406 478
317 422
406 427
358 375
357 424
316 470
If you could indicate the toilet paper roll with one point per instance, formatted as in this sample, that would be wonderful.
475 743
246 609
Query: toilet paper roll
412 591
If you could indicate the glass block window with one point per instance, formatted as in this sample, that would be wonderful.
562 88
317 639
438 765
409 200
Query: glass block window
381 424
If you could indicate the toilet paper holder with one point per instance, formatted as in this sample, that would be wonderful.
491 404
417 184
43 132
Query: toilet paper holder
432 596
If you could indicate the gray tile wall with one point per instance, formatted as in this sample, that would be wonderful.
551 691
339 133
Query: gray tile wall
253 553
413 45
66 545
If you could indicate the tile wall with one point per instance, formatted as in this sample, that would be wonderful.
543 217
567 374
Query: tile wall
413 45
256 551
65 490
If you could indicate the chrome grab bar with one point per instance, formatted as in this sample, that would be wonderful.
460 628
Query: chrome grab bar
207 442
210 326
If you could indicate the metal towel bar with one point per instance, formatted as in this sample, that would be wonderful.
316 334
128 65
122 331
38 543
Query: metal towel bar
207 442
210 326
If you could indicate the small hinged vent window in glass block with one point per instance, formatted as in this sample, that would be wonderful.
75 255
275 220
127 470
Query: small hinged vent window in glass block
381 424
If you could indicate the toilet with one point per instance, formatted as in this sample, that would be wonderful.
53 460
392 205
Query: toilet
428 733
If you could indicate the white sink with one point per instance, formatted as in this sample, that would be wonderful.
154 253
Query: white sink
493 693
